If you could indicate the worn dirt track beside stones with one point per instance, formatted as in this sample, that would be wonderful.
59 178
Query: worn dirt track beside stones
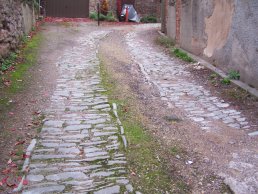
79 147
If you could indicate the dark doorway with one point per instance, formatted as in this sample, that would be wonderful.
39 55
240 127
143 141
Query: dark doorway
67 8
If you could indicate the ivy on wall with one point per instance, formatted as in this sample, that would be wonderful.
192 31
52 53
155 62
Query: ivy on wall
34 3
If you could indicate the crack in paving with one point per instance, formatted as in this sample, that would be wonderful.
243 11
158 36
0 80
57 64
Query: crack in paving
79 148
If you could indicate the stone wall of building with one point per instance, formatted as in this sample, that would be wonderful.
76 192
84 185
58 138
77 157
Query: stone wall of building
148 7
223 32
143 8
16 19
93 5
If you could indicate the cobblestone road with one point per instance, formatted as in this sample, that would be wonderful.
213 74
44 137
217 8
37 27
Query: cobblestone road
172 80
78 149
212 114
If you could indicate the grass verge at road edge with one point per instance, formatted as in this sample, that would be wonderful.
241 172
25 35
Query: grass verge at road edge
148 171
14 137
27 58
29 55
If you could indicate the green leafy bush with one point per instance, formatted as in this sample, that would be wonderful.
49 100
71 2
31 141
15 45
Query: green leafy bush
8 62
234 75
226 81
93 15
102 17
149 19
109 17
182 55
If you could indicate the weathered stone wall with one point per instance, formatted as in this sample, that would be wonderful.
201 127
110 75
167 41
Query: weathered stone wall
147 7
223 32
111 3
93 5
10 25
16 19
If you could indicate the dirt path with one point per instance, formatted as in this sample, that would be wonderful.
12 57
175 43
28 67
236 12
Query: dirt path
201 139
21 118
183 113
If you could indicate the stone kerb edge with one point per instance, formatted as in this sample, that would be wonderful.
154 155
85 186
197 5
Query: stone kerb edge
26 163
120 125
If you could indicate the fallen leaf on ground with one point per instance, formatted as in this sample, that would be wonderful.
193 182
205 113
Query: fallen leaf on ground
11 184
19 142
6 171
36 122
4 180
37 112
9 161
13 165
6 82
27 169
26 156
25 182
133 173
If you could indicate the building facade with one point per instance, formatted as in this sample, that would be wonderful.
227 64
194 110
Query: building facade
224 32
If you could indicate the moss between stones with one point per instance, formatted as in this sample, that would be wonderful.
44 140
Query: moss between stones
148 172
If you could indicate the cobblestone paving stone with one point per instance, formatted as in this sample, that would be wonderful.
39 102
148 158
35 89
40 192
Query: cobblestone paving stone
175 86
78 150
210 113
